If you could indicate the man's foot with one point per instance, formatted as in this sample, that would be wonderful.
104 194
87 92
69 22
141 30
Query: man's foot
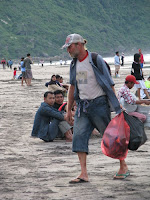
122 176
78 180
68 136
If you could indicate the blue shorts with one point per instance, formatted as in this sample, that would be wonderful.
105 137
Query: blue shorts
141 65
94 115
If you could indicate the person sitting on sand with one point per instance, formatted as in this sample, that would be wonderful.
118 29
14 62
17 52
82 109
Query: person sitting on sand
59 99
128 99
54 85
59 81
62 84
15 76
52 81
49 122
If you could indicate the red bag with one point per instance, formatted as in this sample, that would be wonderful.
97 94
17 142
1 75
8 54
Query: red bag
116 138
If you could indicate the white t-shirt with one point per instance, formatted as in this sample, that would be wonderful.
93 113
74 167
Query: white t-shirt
86 81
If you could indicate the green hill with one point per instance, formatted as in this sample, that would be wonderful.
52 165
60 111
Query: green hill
41 26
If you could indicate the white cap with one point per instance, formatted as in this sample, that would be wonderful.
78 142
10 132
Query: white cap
73 38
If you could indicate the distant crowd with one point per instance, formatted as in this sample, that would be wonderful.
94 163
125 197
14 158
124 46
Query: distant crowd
24 67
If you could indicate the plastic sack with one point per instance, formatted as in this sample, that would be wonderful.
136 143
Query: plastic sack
116 138
137 133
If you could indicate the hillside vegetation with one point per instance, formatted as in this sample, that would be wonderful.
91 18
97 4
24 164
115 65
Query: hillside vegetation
41 26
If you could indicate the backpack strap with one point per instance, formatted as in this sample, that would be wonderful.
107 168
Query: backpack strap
94 59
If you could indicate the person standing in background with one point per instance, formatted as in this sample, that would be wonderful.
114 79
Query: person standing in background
28 72
122 59
3 62
117 64
10 63
137 72
141 58
23 70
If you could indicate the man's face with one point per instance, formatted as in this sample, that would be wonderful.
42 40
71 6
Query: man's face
130 85
59 98
73 50
50 99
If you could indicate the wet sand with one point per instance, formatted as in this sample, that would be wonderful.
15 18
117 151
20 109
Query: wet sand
34 170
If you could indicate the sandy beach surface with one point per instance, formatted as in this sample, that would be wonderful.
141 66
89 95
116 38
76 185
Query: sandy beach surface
33 170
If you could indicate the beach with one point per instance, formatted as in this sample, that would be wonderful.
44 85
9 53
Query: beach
34 170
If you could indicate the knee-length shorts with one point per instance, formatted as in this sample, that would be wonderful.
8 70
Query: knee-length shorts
95 115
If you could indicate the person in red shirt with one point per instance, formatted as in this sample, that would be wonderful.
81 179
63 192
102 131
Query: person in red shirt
3 62
15 76
141 58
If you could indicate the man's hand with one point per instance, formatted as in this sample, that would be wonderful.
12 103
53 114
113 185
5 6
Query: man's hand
69 118
147 102
122 108
143 101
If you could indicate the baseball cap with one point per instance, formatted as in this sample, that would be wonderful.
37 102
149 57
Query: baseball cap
132 79
73 38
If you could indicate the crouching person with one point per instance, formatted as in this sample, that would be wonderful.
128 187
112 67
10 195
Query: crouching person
128 99
49 122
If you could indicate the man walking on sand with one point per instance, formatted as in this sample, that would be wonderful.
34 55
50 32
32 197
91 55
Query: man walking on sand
91 87
117 64
28 72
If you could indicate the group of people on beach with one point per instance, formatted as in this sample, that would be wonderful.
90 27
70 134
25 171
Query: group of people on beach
56 83
137 71
25 67
119 63
90 94
9 63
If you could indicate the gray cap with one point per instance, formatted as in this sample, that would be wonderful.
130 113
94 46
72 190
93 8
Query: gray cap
73 38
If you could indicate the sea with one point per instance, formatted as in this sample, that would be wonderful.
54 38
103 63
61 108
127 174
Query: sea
109 60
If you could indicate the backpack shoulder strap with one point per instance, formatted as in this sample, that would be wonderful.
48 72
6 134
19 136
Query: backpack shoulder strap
94 58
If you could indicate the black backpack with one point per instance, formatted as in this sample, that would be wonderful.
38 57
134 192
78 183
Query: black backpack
94 59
